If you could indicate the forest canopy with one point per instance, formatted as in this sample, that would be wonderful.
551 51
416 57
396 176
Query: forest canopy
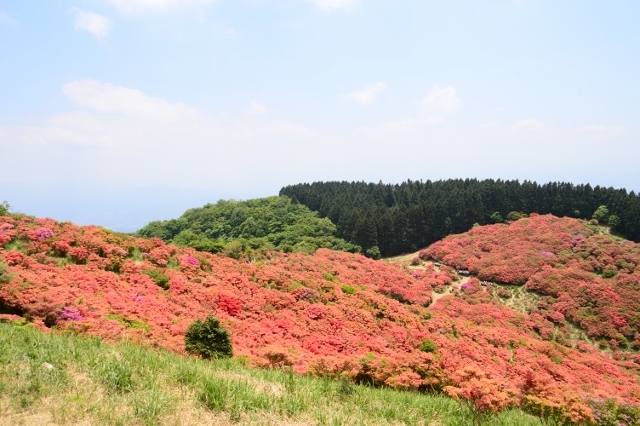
272 223
401 218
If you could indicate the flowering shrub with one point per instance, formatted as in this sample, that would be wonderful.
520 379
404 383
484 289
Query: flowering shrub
607 412
229 304
43 234
69 314
297 310
192 261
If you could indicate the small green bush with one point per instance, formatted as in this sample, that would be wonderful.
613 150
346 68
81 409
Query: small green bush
329 277
234 249
428 346
5 275
514 215
374 253
348 289
208 339
158 277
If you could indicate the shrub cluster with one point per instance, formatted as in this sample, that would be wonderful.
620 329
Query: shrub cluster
208 339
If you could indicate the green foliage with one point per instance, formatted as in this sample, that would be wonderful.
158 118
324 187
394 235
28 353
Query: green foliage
234 249
259 225
329 277
5 275
614 221
516 215
428 346
208 339
348 289
609 413
374 253
601 214
138 385
4 208
496 217
188 238
159 277
116 375
134 323
405 217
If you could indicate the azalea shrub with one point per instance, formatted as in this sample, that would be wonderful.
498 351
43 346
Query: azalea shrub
584 278
298 310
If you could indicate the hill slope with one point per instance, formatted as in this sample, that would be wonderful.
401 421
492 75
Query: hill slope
401 218
328 313
262 224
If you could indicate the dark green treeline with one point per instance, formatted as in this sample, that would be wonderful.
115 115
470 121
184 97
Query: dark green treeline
406 217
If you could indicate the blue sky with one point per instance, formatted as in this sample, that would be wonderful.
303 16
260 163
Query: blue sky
117 112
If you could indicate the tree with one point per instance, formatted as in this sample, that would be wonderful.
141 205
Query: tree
601 214
614 221
374 253
4 208
496 217
208 339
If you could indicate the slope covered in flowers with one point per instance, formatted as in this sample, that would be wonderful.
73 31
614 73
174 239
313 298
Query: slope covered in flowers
584 279
329 313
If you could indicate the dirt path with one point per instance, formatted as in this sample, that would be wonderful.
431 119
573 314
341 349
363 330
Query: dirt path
405 260
454 286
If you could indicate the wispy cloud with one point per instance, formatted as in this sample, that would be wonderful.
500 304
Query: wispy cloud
143 6
369 94
604 131
95 24
107 98
527 125
434 108
334 4
440 101
256 108
118 135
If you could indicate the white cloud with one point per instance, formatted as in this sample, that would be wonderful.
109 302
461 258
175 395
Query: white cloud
121 100
527 125
399 126
120 136
334 4
369 94
256 108
95 24
604 131
142 6
440 101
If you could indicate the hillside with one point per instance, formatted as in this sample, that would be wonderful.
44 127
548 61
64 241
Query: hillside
578 275
258 225
401 218
343 315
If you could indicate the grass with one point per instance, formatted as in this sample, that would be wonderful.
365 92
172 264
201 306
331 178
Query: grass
92 382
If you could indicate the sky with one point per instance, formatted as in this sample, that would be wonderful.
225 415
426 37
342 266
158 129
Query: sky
118 112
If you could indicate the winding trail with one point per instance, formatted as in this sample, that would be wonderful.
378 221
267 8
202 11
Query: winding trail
405 260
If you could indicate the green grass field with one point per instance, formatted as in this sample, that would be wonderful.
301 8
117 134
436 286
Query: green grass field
48 379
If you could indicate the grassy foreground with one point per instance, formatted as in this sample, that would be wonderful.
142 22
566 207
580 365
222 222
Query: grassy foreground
48 379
